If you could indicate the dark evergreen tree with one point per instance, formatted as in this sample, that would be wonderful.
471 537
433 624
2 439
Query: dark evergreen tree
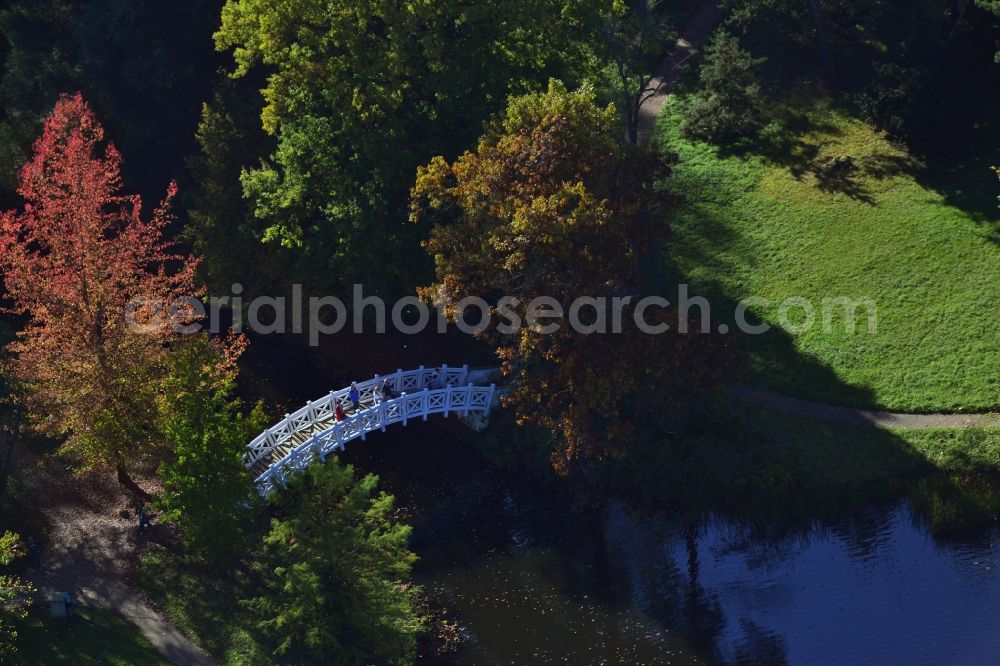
728 105
336 589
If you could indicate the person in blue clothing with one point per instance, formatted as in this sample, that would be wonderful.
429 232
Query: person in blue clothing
144 519
354 395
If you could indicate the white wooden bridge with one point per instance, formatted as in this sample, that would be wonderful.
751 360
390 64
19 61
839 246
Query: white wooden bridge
312 433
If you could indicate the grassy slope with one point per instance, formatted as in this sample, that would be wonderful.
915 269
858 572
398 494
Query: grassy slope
91 637
756 464
201 604
766 226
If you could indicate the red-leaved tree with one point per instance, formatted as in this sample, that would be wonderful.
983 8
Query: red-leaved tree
73 259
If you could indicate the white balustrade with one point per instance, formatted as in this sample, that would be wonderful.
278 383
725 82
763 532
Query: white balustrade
420 392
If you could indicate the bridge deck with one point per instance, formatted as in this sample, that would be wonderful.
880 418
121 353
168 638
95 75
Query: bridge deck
313 432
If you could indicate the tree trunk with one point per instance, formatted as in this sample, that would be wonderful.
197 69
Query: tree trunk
694 604
632 111
822 41
599 555
126 481
11 439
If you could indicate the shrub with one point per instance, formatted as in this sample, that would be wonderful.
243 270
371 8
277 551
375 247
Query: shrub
14 594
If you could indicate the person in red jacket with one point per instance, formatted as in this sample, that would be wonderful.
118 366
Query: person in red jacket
338 412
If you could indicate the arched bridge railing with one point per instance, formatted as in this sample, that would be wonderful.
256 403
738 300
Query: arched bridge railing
312 432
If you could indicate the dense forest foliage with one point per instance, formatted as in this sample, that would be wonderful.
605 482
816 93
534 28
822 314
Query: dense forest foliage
294 131
443 148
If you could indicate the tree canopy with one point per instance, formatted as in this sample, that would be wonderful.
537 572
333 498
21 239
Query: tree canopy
14 593
206 489
358 94
552 204
336 588
728 104
73 258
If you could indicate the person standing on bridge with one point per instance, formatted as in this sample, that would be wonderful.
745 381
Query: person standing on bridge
354 395
338 412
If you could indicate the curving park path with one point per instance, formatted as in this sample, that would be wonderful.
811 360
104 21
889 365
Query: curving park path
785 404
704 22
90 549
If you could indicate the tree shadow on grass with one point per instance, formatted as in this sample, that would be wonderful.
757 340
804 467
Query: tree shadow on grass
91 636
718 250
768 467
799 142
779 476
204 601
961 172
966 178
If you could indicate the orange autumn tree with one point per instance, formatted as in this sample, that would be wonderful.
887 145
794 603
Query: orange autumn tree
73 258
552 203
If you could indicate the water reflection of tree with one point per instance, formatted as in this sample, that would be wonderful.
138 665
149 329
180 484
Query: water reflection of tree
644 555
659 561
761 544
866 531
702 610
759 647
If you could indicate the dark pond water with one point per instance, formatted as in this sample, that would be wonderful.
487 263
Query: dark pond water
529 578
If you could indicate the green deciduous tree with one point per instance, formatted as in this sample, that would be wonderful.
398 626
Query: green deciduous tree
634 35
14 594
360 93
337 570
206 489
221 225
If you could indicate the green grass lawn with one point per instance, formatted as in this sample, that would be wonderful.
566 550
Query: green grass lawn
90 637
920 240
202 604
